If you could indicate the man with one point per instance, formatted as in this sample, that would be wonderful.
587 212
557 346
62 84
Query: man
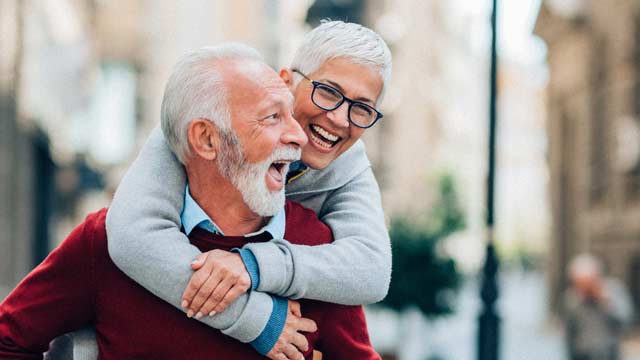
230 116
337 77
597 311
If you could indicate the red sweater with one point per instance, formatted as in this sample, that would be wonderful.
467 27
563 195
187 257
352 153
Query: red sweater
78 285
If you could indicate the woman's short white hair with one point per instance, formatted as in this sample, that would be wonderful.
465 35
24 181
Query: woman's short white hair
338 39
196 89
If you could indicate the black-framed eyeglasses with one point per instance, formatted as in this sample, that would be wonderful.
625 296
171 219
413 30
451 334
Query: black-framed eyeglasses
328 98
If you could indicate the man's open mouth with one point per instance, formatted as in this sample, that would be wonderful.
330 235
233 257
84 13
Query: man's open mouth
322 137
278 169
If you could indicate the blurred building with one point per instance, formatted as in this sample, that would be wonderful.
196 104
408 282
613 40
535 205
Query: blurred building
436 119
81 83
593 101
25 166
92 75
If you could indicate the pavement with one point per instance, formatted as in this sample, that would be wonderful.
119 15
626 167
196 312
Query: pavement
527 330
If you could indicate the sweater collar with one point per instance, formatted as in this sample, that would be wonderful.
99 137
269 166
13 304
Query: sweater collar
342 170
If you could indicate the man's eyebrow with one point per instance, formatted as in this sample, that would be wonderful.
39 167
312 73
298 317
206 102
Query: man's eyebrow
264 106
273 102
337 86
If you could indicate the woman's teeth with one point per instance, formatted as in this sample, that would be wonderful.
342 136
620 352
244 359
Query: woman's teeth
325 133
322 137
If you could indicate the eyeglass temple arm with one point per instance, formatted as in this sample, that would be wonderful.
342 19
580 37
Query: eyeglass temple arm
303 75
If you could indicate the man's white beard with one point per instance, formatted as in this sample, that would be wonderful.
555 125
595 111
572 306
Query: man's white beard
250 178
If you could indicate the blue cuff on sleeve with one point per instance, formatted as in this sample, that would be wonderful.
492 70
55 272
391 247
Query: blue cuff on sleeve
251 264
271 333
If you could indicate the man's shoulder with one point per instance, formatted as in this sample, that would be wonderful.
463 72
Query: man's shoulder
95 223
91 234
81 251
304 227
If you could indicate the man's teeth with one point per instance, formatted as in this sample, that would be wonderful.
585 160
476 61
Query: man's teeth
283 162
325 134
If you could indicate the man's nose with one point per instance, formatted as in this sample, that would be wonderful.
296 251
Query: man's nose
293 134
340 115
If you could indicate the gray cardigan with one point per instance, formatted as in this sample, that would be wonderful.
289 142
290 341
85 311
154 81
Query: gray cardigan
145 242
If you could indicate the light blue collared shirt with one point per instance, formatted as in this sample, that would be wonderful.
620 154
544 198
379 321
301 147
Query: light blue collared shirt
192 215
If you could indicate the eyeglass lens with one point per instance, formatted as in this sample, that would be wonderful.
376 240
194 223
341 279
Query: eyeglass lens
329 98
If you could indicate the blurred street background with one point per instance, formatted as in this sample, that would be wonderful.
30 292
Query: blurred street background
81 83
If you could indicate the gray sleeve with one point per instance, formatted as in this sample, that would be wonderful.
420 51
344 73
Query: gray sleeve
145 242
354 269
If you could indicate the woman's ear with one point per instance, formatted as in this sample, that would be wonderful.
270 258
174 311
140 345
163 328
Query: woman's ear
287 76
203 138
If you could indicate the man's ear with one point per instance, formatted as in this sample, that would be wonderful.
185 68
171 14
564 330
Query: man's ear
287 76
203 138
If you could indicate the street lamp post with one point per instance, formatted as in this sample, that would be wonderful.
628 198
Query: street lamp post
489 321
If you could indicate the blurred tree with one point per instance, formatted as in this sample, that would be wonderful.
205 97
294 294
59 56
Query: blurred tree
422 276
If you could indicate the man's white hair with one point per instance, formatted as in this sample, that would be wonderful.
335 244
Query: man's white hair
196 89
338 39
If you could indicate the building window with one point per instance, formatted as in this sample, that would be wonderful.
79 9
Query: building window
113 118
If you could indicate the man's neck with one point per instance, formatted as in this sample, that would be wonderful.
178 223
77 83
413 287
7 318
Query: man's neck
224 204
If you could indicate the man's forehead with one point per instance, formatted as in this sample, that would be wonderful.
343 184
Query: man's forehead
251 73
269 97
235 69
256 82
253 88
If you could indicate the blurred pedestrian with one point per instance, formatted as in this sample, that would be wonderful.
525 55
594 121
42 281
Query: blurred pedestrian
597 310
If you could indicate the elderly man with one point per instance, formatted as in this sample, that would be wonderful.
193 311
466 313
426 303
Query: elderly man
236 144
337 77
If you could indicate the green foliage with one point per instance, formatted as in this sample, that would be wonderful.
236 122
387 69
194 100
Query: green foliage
446 216
421 275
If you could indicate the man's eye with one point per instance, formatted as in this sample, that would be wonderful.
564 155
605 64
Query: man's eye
272 117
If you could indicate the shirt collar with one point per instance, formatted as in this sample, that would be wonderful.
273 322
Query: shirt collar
296 169
297 165
192 215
